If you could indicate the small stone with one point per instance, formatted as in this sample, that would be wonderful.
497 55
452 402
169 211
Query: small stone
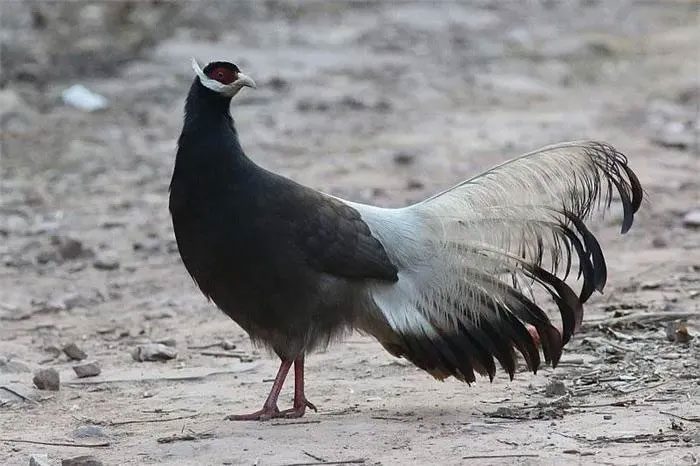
90 369
607 417
153 352
414 184
155 315
555 388
39 459
278 84
659 242
403 158
70 248
87 460
106 261
692 219
74 352
47 379
228 345
89 431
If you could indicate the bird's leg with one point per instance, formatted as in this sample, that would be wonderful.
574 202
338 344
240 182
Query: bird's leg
269 409
300 401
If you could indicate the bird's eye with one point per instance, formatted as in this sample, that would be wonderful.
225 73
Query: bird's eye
220 75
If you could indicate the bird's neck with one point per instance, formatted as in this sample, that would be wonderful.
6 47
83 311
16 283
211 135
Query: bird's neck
209 141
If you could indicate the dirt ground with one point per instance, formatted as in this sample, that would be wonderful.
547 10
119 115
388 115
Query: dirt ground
382 103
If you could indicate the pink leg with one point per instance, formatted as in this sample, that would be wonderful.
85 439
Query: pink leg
300 401
269 409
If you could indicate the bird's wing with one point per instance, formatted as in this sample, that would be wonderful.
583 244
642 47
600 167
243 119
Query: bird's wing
335 240
474 260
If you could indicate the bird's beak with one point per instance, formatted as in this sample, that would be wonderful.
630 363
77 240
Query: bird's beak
246 81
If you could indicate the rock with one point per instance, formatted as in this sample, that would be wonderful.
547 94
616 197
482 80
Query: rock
106 261
89 431
692 219
607 417
153 352
87 460
72 351
39 459
555 388
90 369
47 379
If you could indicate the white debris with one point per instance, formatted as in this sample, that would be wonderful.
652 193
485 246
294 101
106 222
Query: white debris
81 97
153 352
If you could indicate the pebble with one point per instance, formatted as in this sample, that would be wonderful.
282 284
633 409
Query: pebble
89 431
74 352
90 369
228 345
106 261
87 460
156 315
39 459
555 388
607 417
403 158
153 352
414 184
70 248
659 242
692 219
47 379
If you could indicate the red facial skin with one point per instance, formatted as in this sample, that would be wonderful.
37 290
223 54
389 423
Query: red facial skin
223 75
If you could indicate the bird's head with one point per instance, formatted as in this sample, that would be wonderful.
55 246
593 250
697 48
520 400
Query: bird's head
222 77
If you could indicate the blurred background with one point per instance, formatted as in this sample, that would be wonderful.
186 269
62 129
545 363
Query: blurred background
377 102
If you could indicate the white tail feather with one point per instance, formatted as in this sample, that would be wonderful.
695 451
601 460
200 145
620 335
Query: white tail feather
457 250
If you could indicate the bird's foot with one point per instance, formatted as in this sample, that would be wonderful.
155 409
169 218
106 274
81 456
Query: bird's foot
264 414
298 410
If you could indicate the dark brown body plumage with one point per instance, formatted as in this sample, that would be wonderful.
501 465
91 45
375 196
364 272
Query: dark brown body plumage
280 259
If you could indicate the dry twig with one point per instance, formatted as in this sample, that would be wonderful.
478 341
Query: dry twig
57 444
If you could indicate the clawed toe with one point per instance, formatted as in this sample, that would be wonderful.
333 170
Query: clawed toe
260 415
